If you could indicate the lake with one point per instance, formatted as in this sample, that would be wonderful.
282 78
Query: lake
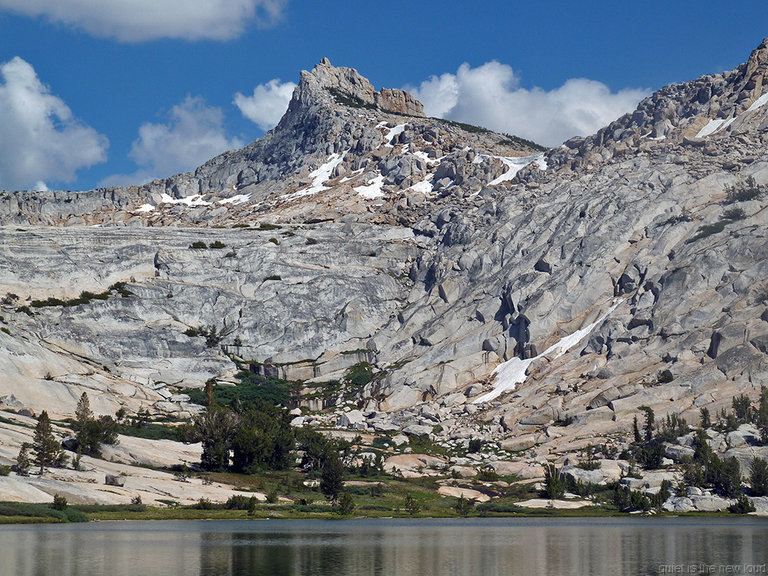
418 547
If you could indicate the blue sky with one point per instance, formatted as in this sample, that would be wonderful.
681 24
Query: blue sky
151 85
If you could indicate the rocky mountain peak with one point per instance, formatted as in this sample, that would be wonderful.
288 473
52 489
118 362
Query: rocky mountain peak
331 85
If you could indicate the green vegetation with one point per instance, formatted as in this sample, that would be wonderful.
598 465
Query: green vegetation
19 512
251 389
273 277
743 191
466 127
212 337
518 142
217 245
198 245
45 446
84 298
347 99
90 432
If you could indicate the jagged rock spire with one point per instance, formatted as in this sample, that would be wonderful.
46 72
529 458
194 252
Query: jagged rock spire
328 84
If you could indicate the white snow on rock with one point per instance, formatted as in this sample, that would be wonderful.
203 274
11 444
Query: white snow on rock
515 164
759 102
194 200
144 208
373 189
352 175
425 186
238 199
425 157
319 177
392 133
712 127
512 372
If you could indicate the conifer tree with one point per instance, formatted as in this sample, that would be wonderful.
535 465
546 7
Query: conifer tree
45 445
332 476
22 460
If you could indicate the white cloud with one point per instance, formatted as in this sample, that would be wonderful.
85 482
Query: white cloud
490 95
139 20
193 134
268 103
40 139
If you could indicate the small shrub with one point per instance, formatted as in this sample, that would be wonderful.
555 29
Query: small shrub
487 475
310 242
273 277
743 505
346 504
554 482
272 497
137 505
463 506
743 191
475 445
412 506
237 502
204 504
734 214
216 245
5 470
275 241
59 502
198 245
9 298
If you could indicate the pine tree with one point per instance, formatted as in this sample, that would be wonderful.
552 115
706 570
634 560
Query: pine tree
22 460
332 476
758 478
45 445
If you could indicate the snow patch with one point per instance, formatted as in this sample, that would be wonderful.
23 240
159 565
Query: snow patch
194 200
759 102
238 199
425 186
710 128
515 164
352 175
425 157
144 208
373 189
392 133
512 372
319 177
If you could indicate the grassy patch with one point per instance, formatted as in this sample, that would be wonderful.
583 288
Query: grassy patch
40 512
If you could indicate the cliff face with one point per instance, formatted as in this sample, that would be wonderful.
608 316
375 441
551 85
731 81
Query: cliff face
628 268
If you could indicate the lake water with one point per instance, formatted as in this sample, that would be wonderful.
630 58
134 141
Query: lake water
493 547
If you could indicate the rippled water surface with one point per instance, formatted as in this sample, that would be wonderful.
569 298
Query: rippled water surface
389 547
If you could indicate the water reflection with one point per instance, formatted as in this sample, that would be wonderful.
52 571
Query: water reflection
385 548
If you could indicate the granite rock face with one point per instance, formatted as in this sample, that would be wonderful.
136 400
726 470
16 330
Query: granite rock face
627 269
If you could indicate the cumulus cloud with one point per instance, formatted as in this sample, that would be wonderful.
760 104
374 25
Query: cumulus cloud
490 95
268 103
40 139
140 20
193 134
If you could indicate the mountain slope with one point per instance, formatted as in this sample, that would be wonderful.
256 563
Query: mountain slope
433 251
